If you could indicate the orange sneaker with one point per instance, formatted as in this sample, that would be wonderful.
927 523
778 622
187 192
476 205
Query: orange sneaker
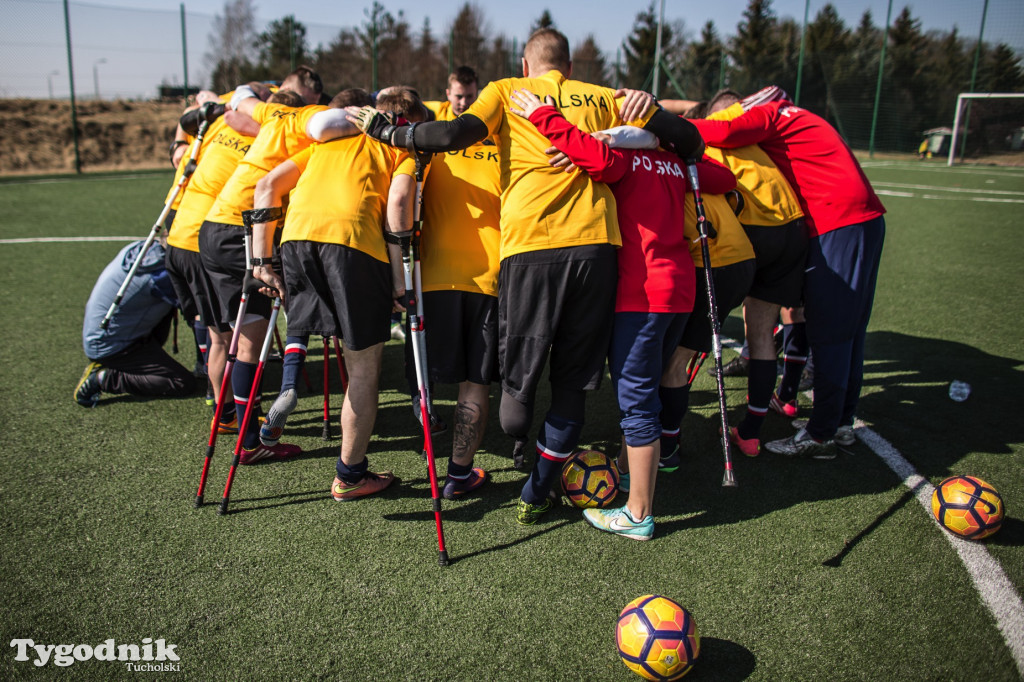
370 484
227 428
751 447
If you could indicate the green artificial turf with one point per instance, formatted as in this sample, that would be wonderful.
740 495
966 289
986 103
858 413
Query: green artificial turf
809 570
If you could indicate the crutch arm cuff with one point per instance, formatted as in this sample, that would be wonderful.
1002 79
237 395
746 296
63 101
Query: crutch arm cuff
262 215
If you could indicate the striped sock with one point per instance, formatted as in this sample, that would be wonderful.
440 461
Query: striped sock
294 360
558 438
760 384
242 377
202 335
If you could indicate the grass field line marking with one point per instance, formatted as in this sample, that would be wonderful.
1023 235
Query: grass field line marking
1002 172
991 582
55 181
936 188
995 588
65 240
911 195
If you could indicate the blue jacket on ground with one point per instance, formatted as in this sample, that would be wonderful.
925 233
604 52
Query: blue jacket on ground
148 300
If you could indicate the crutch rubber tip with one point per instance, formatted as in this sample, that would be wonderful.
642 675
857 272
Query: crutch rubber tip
199 501
728 480
326 435
223 508
442 558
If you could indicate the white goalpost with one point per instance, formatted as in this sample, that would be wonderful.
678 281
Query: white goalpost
962 99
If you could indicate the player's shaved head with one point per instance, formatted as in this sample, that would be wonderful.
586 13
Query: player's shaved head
723 99
404 101
287 98
547 49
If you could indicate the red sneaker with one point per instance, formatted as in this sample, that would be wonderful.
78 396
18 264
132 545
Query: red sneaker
785 409
455 488
751 447
261 453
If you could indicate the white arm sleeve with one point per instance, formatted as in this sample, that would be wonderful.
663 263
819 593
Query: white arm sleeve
330 124
631 137
241 92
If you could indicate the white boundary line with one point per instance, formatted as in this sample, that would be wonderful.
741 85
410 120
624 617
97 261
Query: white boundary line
911 195
996 590
991 582
65 240
937 188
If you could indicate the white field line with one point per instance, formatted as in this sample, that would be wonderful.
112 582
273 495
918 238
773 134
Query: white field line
936 188
55 181
911 195
996 590
65 240
1001 172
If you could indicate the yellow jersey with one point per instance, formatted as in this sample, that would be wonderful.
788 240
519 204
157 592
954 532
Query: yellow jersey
282 135
730 246
461 211
219 155
341 196
544 207
768 200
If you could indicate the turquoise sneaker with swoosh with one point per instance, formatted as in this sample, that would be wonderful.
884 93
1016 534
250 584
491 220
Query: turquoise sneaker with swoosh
620 522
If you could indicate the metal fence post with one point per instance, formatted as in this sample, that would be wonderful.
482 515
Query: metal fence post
878 87
71 82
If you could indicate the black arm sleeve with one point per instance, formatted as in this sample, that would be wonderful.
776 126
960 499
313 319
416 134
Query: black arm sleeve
444 136
676 134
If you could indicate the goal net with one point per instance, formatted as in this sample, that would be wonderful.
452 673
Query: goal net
988 128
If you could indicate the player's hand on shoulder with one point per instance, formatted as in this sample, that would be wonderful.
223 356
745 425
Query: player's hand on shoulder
524 102
376 124
635 103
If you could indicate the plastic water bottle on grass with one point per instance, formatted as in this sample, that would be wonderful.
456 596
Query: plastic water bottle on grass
959 390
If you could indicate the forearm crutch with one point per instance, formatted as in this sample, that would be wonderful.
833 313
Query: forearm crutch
408 242
342 369
190 168
728 479
225 383
254 392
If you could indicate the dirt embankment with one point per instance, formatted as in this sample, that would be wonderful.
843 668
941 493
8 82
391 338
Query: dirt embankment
35 135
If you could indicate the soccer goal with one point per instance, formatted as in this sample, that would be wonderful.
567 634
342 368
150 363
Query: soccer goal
1000 126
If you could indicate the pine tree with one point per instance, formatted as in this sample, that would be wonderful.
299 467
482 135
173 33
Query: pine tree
277 44
704 63
588 64
755 48
639 48
544 21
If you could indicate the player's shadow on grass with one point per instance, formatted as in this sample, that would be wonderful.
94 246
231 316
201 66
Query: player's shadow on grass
723 661
906 395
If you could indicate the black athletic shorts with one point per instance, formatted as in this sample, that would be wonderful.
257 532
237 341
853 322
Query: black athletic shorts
335 290
185 269
781 253
732 285
222 250
462 338
557 301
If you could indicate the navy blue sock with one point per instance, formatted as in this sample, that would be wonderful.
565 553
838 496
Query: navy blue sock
294 360
202 335
558 438
760 384
459 471
794 355
354 473
674 403
241 383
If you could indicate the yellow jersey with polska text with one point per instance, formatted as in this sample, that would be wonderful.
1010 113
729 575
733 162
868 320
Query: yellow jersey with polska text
730 246
461 213
544 207
282 135
341 196
223 147
768 200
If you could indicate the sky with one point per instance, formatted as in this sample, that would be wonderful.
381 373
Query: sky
125 48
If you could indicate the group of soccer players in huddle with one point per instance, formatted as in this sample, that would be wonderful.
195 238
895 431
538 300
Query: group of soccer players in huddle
559 230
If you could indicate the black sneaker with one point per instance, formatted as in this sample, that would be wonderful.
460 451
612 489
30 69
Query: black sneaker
87 392
737 367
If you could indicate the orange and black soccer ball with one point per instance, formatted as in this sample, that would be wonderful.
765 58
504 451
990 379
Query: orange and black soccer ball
590 479
968 507
657 638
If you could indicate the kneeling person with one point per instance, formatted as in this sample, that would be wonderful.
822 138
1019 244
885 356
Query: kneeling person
340 277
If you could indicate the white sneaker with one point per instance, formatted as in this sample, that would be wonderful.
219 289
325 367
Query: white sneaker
794 445
844 434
